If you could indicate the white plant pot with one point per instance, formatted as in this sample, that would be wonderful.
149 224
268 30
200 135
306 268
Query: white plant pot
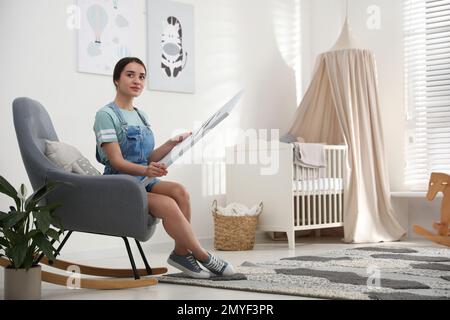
23 285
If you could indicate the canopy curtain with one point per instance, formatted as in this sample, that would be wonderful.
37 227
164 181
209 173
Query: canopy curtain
342 106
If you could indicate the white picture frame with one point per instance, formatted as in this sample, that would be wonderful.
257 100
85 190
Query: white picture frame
170 46
109 30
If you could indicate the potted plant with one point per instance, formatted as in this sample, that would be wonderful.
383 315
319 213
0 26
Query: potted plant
26 232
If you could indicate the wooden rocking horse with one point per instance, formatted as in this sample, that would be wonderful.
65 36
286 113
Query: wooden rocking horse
113 205
439 182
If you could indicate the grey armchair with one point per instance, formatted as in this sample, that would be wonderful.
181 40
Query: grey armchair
113 205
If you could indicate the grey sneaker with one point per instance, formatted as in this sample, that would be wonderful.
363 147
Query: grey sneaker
188 265
218 266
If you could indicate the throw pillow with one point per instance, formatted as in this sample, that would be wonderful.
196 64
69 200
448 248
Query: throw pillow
69 158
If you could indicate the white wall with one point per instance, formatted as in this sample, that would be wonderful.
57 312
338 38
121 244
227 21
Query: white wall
251 44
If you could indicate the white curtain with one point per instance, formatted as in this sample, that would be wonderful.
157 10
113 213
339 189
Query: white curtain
342 106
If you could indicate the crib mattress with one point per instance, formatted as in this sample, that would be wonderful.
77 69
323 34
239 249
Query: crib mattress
325 184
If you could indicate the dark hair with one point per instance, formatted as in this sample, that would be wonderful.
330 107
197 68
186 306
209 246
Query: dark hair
122 64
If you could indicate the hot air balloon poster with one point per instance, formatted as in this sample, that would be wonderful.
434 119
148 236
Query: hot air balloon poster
171 58
109 31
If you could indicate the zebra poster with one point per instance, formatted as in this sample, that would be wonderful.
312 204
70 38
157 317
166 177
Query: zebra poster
171 58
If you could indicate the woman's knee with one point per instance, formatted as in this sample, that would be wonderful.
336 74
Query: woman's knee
164 207
181 194
183 200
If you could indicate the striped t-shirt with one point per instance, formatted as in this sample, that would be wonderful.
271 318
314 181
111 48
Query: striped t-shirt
107 126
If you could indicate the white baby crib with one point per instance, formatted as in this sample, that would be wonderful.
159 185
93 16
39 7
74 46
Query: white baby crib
295 198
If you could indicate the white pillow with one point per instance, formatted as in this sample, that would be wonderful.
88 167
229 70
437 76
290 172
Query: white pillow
69 158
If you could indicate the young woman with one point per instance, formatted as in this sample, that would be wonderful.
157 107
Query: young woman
125 144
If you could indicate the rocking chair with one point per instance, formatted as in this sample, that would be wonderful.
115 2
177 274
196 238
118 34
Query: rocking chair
114 205
439 182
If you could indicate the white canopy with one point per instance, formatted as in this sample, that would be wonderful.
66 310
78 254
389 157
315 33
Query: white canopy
342 106
346 40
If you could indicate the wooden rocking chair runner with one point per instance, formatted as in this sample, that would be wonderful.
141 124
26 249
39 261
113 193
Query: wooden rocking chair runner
113 205
439 182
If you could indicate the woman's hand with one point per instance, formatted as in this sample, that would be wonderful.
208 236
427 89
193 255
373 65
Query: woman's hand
180 138
155 169
162 151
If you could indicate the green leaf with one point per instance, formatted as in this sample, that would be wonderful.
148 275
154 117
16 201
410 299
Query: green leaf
52 233
31 234
42 192
45 246
14 219
4 242
37 196
51 207
57 222
8 189
17 254
13 237
43 220
10 236
29 258
3 215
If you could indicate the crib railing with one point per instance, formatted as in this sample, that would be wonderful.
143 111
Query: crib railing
319 192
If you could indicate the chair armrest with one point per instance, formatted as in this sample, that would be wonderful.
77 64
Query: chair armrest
114 205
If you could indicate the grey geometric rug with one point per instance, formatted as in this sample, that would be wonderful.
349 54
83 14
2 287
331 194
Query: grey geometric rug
381 273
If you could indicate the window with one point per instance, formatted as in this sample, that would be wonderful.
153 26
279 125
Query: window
427 69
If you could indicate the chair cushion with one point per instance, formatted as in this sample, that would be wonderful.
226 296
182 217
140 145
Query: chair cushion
69 158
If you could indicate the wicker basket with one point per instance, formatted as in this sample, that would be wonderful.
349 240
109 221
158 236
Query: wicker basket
234 233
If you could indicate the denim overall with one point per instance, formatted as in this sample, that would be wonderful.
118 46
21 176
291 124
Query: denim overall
136 146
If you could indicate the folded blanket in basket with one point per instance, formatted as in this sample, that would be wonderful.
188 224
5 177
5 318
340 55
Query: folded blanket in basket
309 155
238 210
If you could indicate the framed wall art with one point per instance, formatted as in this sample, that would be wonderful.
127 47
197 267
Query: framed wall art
170 46
108 31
